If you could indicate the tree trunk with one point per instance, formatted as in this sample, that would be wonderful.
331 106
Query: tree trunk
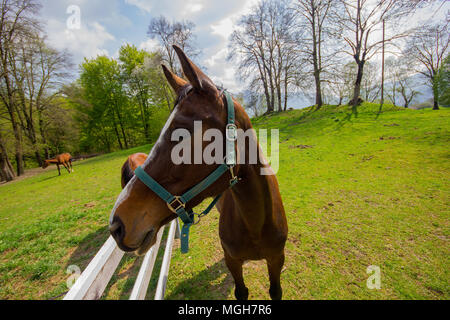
319 101
9 103
19 151
280 107
316 57
357 89
435 90
285 91
122 129
118 136
6 169
435 104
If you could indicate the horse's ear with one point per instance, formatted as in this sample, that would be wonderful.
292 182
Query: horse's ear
193 73
175 82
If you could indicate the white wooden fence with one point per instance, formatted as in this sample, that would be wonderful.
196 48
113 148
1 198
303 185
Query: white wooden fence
94 279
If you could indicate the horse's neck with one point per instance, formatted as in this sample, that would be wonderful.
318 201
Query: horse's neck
53 160
253 198
254 195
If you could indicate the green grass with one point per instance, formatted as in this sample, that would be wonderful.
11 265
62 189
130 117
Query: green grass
368 190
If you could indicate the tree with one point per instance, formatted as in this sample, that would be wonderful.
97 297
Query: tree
37 71
443 82
138 85
370 83
146 84
179 33
428 47
16 21
359 21
314 16
400 80
103 88
340 82
265 48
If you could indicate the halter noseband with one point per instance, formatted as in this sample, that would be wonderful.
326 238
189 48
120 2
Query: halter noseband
177 204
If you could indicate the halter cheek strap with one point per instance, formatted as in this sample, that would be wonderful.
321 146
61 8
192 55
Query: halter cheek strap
177 204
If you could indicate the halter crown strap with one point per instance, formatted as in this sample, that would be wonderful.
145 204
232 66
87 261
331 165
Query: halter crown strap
177 204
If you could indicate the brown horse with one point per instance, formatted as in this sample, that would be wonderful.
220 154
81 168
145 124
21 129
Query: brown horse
133 161
65 159
252 223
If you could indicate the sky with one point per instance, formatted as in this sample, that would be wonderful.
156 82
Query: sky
105 25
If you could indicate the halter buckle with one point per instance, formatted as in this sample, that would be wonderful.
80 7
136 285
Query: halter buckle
181 204
231 132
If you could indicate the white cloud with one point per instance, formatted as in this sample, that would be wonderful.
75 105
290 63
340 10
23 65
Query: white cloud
149 45
176 9
141 4
88 41
107 24
223 28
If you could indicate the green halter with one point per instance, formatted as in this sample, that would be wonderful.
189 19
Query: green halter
177 204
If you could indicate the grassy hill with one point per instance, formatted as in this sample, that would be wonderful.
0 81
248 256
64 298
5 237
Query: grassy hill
359 190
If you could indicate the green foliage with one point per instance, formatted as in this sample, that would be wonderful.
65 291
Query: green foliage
442 83
120 103
145 84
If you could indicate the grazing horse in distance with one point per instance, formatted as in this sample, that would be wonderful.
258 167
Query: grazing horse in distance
133 161
65 159
252 223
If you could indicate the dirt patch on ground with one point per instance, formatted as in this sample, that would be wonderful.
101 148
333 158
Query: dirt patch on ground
29 173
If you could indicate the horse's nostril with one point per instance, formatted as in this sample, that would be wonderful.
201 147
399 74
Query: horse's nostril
113 227
117 229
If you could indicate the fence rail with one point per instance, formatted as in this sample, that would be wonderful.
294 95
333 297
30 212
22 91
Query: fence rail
94 279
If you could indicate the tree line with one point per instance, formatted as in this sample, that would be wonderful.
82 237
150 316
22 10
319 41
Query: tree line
30 76
113 103
288 46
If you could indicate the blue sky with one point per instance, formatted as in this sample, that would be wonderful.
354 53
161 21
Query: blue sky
107 24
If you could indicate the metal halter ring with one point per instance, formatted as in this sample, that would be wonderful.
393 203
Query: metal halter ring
199 216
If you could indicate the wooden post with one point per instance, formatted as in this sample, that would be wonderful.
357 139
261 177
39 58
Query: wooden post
94 279
145 273
164 273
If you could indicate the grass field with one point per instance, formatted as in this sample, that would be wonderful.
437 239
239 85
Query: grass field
358 190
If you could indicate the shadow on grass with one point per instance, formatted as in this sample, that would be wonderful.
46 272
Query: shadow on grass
214 282
48 178
348 117
88 247
86 251
306 114
207 284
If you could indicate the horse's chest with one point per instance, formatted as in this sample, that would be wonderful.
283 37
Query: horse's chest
241 243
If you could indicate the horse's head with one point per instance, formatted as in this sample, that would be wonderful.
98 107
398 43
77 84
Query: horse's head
138 212
45 164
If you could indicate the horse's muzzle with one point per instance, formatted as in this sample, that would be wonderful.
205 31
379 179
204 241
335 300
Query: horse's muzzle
117 230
